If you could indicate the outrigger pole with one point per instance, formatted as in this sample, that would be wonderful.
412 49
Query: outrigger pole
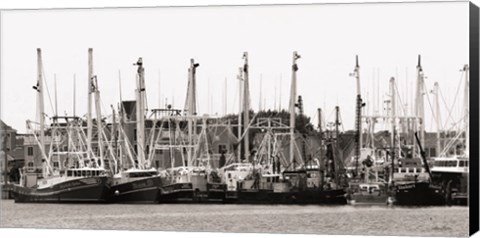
293 96
358 119
140 95
246 106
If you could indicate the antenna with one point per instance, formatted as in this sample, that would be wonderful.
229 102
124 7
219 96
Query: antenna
55 85
120 85
260 96
74 94
159 90
225 98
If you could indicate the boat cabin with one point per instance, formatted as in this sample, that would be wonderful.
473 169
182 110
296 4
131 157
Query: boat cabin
85 172
450 165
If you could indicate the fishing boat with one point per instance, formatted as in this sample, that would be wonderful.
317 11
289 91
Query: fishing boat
452 173
271 178
412 182
85 181
136 186
415 187
362 190
450 169
140 183
194 180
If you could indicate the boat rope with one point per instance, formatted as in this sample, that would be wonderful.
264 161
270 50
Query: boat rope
450 109
46 87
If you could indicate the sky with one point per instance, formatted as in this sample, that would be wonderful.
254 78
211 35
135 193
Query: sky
386 37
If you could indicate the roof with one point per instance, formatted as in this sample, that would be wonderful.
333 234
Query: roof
4 126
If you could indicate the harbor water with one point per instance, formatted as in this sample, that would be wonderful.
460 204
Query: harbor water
330 220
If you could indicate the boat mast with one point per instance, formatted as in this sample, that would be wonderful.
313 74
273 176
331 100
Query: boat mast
140 109
191 106
321 163
89 104
41 111
293 96
394 123
74 95
466 117
99 120
419 104
437 115
358 119
113 134
246 106
56 103
240 79
337 123
300 112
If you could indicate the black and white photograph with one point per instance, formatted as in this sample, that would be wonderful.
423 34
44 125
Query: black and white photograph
309 118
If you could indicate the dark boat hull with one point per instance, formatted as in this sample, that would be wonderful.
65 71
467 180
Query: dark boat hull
336 196
419 194
145 190
81 190
185 193
216 192
177 193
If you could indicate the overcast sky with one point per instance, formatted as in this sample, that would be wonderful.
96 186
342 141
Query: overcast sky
387 38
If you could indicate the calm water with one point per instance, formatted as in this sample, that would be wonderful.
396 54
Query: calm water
341 220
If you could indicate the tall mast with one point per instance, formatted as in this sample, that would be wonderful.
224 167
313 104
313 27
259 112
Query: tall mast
260 96
393 116
337 122
437 116
140 110
99 120
74 95
320 158
191 104
300 112
358 119
466 116
56 103
225 98
393 111
41 109
89 104
246 106
113 133
240 79
293 96
419 104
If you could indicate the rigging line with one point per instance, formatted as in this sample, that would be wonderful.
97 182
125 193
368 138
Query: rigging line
428 99
400 98
46 86
446 106
340 119
450 109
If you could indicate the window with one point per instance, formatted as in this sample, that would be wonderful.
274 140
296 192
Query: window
157 164
30 164
158 152
55 164
134 134
30 151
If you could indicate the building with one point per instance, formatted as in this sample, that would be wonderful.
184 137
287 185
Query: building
11 151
